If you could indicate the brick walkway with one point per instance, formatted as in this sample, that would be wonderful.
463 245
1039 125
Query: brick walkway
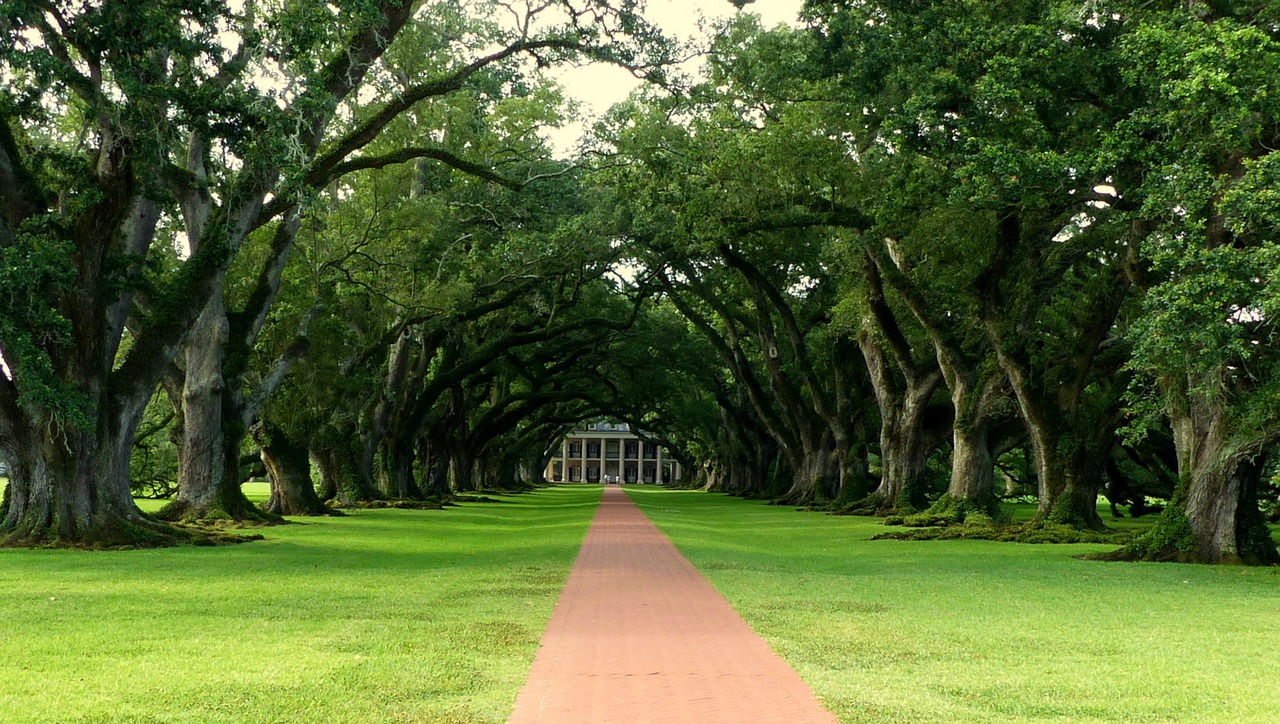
638 635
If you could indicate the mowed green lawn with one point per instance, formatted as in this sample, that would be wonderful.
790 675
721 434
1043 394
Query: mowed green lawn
383 616
434 616
896 631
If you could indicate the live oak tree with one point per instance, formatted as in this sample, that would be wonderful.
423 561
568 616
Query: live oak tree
219 406
125 120
739 252
473 313
1206 348
1001 100
165 121
947 315
904 377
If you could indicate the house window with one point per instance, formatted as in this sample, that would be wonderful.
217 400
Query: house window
593 450
575 449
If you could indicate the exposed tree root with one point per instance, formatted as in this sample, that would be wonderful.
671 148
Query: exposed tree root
232 514
475 499
875 505
124 534
431 504
948 511
795 499
1172 540
982 527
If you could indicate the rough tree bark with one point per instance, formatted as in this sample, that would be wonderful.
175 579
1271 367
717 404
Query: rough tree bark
976 387
1069 450
336 451
903 388
209 463
288 463
905 443
71 487
398 470
971 488
1070 427
1214 515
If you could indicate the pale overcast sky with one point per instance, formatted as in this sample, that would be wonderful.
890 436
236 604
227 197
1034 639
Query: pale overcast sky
597 87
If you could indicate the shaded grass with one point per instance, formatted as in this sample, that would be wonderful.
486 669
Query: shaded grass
386 615
978 631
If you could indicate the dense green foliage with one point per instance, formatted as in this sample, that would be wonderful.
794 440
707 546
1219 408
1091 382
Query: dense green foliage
902 258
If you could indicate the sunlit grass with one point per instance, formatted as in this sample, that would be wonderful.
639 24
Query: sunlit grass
895 631
385 615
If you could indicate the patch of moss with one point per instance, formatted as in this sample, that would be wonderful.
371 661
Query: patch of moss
236 512
1173 540
430 504
981 527
123 534
476 499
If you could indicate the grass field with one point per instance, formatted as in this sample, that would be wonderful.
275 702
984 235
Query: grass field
895 631
434 616
382 616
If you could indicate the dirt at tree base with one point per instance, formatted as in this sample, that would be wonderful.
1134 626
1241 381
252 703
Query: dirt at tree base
1032 533
134 535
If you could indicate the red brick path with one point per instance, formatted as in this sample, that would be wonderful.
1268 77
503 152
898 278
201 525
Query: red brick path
638 635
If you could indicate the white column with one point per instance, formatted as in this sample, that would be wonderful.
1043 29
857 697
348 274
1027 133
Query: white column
564 459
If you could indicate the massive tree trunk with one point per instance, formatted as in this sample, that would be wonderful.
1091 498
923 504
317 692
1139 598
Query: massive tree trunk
974 390
903 386
288 464
68 486
1214 515
398 470
69 456
816 475
329 467
461 468
971 488
70 401
435 469
209 456
337 453
972 485
905 443
1070 454
384 429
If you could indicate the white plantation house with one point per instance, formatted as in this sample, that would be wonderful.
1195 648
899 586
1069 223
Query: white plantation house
609 452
